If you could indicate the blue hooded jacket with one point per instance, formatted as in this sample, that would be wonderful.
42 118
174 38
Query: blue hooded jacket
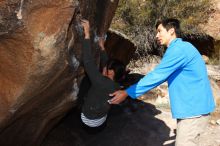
189 88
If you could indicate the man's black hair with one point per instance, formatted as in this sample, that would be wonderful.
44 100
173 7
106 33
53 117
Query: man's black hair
170 23
118 67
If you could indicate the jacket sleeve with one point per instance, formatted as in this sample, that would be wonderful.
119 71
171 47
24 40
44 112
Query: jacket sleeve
89 63
173 60
103 59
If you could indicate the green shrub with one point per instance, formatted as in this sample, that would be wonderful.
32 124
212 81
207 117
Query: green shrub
137 18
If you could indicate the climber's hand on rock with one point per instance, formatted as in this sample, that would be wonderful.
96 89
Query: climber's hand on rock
86 27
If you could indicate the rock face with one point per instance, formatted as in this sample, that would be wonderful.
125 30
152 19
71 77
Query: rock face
40 62
212 27
117 43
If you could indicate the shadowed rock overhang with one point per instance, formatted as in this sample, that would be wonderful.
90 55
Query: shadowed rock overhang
40 62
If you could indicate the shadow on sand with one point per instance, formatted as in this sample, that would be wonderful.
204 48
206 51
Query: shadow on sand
132 123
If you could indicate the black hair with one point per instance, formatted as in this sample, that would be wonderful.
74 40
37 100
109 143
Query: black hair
118 67
170 23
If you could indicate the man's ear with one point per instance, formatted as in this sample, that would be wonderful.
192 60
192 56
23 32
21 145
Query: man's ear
171 31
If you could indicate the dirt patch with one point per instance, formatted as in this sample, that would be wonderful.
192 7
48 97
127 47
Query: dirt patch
133 123
209 138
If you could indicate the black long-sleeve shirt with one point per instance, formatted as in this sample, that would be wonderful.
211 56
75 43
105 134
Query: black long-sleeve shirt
95 103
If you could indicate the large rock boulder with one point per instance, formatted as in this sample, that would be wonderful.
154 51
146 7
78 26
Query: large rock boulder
119 46
212 26
40 62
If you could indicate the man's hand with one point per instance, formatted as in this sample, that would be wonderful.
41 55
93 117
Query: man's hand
118 97
86 27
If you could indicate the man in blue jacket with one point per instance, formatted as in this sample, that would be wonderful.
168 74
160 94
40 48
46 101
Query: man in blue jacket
190 92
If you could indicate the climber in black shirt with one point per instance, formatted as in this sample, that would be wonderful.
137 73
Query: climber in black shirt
95 106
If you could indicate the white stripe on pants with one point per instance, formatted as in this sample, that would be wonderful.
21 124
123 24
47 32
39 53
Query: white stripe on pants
93 122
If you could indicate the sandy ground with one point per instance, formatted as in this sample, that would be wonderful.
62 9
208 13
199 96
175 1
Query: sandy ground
134 123
211 137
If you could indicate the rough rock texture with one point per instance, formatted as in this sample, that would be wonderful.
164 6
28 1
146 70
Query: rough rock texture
212 28
204 43
117 43
38 78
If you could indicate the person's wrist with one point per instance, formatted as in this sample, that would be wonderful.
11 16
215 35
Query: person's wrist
87 36
125 93
102 48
